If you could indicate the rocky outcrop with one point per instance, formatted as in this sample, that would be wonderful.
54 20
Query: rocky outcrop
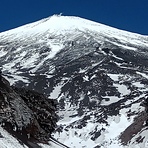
26 114
139 125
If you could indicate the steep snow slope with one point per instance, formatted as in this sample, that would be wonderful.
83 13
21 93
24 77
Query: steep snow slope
97 73
40 41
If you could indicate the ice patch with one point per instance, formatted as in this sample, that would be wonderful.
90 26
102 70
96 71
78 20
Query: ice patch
55 49
138 84
56 92
122 89
114 77
112 99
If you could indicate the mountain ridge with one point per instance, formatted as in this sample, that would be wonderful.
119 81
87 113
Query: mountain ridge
62 23
97 74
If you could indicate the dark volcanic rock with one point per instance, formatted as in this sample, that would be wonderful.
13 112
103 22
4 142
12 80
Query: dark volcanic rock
26 114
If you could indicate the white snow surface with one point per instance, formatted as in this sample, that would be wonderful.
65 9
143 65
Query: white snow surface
58 25
8 141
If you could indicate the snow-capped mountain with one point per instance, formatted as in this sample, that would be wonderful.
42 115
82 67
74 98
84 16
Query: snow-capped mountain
98 75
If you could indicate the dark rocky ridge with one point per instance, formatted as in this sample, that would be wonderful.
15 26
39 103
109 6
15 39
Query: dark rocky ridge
26 114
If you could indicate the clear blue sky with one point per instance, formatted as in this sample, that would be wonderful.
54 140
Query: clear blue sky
130 15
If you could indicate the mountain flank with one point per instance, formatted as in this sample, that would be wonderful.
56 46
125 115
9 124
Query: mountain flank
96 74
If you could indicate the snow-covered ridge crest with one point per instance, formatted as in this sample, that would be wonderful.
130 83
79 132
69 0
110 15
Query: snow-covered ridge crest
58 24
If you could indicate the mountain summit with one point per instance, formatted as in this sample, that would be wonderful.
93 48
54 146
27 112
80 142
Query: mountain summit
98 75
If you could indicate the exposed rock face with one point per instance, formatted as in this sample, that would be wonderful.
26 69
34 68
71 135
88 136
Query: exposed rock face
43 109
26 112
